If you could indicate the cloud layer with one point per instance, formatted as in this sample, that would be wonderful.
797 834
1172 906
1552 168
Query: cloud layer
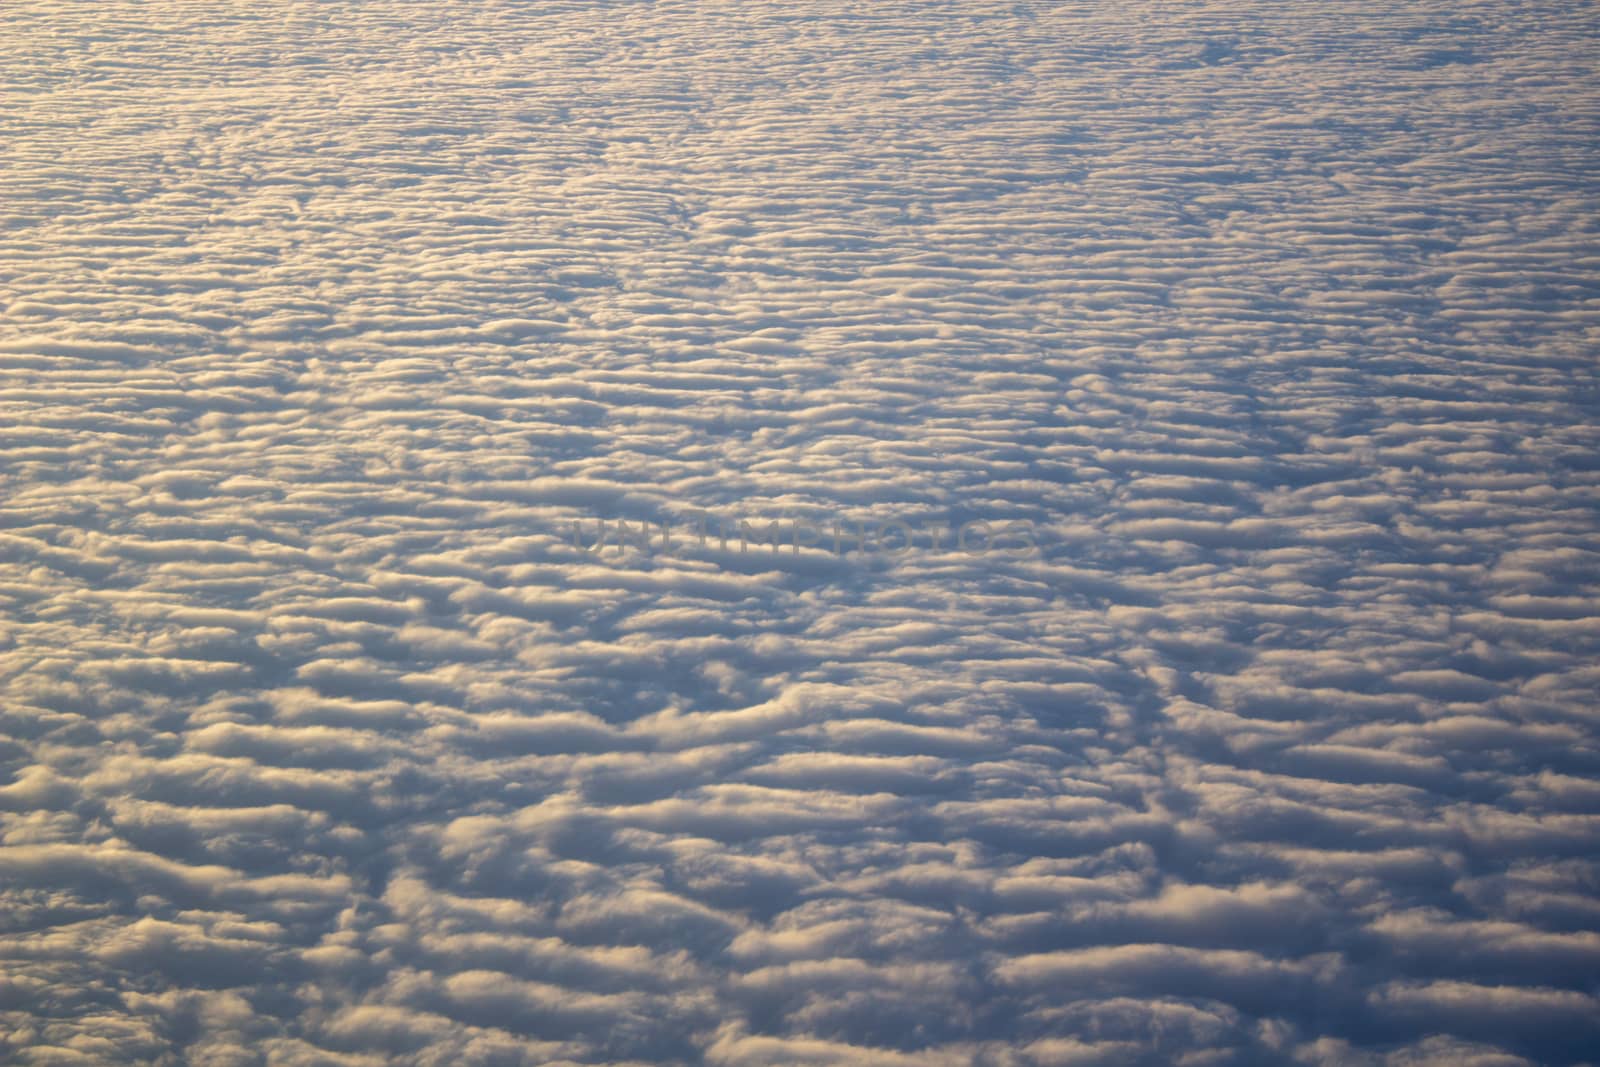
321 742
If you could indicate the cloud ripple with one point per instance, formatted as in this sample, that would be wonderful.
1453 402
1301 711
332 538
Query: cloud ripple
321 742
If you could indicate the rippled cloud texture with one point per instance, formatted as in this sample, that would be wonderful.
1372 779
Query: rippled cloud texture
323 742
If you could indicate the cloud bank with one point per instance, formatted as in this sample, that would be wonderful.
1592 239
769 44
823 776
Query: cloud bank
322 742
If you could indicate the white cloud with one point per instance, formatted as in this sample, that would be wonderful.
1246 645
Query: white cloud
323 327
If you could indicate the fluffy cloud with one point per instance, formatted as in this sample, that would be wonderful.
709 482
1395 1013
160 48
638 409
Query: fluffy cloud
332 333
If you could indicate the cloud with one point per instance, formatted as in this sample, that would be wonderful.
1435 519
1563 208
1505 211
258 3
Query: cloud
331 334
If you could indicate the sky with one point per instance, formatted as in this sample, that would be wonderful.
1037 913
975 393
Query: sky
902 534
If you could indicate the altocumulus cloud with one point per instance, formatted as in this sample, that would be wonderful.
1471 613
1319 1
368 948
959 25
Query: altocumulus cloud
324 324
